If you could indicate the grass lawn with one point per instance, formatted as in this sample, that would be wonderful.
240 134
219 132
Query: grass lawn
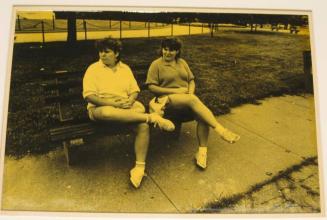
230 69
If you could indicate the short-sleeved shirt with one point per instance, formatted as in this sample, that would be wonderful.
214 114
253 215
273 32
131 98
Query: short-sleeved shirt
169 75
101 80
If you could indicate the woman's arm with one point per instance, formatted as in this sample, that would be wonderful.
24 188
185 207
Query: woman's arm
166 91
115 101
191 87
132 97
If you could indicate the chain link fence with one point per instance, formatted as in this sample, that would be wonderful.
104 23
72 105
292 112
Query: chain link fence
46 30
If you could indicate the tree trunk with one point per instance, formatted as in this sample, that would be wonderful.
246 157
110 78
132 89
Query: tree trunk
285 26
71 28
211 29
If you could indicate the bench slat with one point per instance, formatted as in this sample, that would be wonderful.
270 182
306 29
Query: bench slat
84 129
57 74
63 85
78 83
65 98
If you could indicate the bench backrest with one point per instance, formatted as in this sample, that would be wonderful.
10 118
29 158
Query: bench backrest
65 91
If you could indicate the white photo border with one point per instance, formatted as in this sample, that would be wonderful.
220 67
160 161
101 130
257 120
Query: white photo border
318 19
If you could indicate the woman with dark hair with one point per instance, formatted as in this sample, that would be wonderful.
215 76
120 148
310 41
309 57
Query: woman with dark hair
111 90
170 76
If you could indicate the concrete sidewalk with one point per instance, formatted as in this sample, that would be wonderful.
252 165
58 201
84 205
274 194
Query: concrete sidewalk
275 135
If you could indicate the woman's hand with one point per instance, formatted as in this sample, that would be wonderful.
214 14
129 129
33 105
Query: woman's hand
181 90
122 102
159 91
112 100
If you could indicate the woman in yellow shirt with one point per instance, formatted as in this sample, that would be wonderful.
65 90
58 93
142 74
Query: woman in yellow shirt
111 90
170 76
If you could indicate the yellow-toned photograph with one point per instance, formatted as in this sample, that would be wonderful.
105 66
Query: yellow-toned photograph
165 112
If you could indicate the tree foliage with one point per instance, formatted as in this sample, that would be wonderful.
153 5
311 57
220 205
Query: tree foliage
181 17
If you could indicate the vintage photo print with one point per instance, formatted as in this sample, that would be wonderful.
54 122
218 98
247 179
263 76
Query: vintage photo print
124 110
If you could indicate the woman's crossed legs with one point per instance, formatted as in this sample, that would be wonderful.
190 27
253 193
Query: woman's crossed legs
133 115
205 119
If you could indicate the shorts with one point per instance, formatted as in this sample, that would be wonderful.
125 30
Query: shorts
137 106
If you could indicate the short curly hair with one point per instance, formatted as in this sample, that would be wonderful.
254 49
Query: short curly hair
109 43
172 43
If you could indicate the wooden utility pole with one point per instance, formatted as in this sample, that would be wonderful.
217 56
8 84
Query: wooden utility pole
85 29
120 29
42 29
18 23
53 23
149 29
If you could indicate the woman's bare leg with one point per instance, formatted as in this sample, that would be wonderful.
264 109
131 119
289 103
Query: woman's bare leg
141 141
108 113
193 102
141 148
134 115
202 132
203 113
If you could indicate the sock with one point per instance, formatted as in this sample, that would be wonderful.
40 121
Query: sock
140 165
203 149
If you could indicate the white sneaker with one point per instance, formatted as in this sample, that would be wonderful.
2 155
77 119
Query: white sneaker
163 123
201 159
229 136
136 176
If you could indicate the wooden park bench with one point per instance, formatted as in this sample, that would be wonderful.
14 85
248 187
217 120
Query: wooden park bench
64 91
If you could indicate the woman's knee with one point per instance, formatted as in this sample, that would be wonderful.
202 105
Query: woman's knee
138 107
193 100
102 113
183 100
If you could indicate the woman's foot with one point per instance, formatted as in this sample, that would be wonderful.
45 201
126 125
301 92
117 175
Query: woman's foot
228 136
163 123
137 174
201 157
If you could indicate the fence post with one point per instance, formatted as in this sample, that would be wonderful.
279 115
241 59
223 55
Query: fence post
85 29
148 29
42 29
172 29
202 28
120 29
211 29
189 28
53 23
18 23
130 25
307 69
109 23
251 25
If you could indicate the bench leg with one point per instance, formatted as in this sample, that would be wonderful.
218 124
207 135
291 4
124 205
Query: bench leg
177 132
70 149
67 151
